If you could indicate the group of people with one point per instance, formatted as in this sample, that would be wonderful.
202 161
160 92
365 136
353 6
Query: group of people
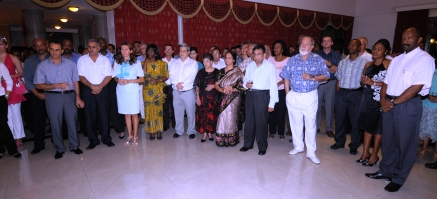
376 98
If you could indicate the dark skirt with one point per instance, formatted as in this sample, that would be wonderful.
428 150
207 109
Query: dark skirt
369 116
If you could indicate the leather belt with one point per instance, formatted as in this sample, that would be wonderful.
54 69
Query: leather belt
185 91
351 90
60 92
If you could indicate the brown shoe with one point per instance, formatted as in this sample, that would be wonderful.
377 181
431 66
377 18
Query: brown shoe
330 134
288 133
271 135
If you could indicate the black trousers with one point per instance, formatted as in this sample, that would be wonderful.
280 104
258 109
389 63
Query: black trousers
169 109
400 128
6 137
277 117
257 117
117 120
39 115
97 103
81 116
347 105
26 111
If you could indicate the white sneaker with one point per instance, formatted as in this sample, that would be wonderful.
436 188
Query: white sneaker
314 159
294 152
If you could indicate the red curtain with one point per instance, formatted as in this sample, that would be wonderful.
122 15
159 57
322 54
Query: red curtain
132 25
407 19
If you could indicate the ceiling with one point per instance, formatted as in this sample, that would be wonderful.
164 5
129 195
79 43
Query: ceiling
11 13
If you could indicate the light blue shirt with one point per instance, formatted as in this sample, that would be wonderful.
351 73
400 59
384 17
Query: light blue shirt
296 67
432 91
48 72
263 78
74 57
349 72
110 56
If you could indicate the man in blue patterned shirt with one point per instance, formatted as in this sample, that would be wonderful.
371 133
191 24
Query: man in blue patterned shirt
303 74
348 97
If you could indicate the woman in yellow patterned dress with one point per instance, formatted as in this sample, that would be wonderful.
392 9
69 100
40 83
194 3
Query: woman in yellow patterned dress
155 73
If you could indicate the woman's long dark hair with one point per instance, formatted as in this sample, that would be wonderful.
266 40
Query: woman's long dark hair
155 49
132 58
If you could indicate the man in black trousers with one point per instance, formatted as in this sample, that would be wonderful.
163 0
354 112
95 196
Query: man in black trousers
408 76
261 97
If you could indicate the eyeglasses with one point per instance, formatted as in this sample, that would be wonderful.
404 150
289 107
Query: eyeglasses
3 38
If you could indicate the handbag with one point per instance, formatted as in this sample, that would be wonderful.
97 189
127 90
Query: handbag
19 86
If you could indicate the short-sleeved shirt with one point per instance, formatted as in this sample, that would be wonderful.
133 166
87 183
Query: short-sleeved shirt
127 71
349 72
220 64
278 68
413 68
74 57
333 56
30 69
50 73
243 65
94 72
367 56
296 67
183 71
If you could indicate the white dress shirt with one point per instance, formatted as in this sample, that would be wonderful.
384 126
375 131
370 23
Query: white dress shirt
263 78
183 71
4 73
220 64
168 67
407 69
94 72
367 56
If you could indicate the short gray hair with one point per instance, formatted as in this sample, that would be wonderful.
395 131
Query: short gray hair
94 40
184 45
312 40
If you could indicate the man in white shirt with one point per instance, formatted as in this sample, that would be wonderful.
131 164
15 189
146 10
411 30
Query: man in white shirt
408 76
168 103
182 74
363 53
261 97
142 57
216 61
94 72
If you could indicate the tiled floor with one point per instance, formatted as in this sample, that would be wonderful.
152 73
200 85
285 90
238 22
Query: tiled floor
184 168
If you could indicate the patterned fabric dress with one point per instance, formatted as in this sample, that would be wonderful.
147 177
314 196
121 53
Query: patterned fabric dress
369 118
14 97
229 107
428 123
154 96
206 113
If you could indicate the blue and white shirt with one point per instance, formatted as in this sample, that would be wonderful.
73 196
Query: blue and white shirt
349 72
296 67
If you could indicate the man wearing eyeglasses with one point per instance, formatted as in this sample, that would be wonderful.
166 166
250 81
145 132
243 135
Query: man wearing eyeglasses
59 78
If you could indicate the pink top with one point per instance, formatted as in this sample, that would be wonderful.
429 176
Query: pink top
278 68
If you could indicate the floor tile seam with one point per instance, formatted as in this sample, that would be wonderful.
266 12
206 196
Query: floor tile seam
179 189
88 180
348 188
9 176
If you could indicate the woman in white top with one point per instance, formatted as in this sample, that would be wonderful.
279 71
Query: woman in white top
128 73
6 137
276 118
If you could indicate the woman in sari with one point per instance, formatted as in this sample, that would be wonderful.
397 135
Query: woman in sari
229 83
155 74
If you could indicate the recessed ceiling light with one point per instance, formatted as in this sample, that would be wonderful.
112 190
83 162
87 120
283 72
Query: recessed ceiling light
63 19
73 8
57 27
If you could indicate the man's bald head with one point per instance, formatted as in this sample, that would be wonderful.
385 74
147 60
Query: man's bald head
40 46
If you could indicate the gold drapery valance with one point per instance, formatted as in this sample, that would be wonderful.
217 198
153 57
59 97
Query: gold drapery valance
51 3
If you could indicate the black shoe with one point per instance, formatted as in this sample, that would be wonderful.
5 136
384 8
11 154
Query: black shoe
35 151
244 149
59 155
202 140
121 137
335 146
318 130
211 139
17 155
353 151
392 187
176 135
431 165
330 134
261 152
165 129
77 151
91 146
192 136
367 164
110 144
291 140
377 176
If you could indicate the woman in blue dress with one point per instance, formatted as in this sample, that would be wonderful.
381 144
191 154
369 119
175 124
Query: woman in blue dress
128 73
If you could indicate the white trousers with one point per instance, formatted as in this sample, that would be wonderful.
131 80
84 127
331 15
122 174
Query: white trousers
143 116
15 122
302 111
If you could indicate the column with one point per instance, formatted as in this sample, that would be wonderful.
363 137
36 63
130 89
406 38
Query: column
180 29
100 26
85 32
111 27
34 26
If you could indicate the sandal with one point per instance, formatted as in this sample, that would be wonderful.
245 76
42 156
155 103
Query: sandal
210 137
422 153
159 136
128 140
18 142
152 137
271 135
135 142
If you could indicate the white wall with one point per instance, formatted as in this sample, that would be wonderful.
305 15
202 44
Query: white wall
341 7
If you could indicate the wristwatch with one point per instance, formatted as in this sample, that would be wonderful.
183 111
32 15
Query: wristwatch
392 102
